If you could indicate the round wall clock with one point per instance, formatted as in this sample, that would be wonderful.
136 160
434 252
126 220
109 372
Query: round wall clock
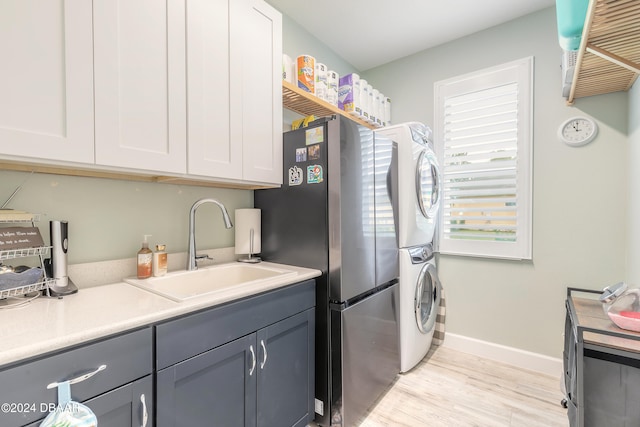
578 131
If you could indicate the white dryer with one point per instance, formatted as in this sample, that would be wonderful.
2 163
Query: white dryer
418 183
420 293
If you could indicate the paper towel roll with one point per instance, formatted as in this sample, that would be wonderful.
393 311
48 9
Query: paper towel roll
306 73
374 113
332 87
321 81
364 99
288 69
247 220
387 110
369 104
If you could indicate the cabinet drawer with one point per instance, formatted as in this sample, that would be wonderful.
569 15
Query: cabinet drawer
127 358
180 339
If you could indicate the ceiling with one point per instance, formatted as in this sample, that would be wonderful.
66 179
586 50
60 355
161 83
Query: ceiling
369 33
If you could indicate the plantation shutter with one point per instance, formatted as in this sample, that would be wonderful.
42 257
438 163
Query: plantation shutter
483 135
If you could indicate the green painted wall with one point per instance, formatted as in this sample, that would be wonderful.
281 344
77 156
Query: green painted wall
107 218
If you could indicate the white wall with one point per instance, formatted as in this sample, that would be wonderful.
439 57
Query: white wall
633 253
579 199
297 41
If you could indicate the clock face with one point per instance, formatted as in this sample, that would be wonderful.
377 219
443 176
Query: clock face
578 131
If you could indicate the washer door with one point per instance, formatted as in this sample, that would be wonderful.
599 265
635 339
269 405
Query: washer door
428 183
427 298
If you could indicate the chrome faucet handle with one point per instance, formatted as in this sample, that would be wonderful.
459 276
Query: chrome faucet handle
191 251
201 257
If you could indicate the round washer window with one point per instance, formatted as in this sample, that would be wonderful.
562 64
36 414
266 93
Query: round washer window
427 299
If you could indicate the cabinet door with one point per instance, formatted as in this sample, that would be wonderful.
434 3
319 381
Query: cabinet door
124 406
211 150
140 86
215 388
286 372
256 89
130 405
46 80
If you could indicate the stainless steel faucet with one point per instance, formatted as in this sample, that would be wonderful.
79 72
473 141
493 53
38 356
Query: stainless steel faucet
191 255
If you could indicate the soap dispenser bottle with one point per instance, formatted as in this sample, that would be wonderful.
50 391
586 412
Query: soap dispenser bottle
145 259
159 261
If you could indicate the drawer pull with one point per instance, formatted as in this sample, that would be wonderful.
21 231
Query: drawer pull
253 360
80 378
145 414
264 351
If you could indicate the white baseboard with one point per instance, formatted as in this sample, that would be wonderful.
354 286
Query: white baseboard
512 356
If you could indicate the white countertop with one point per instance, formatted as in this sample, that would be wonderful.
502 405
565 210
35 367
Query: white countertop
49 324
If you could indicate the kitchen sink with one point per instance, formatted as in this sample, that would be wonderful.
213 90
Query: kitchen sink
184 285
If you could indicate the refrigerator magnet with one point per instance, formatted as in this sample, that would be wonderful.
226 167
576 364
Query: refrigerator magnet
314 135
314 174
296 175
301 155
314 152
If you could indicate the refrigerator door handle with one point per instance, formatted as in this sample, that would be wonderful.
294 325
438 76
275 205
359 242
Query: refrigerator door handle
392 184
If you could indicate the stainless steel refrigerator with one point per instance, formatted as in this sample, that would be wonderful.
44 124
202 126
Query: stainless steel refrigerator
336 212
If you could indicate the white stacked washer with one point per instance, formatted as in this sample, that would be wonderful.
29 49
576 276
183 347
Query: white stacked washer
418 205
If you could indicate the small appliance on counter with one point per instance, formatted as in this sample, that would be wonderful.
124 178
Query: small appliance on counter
248 235
56 266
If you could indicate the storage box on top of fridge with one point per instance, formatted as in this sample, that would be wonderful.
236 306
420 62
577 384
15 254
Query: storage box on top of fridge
349 94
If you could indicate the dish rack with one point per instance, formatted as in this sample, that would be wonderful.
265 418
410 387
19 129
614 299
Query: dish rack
40 252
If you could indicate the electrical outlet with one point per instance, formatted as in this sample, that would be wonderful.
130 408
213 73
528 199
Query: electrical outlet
319 407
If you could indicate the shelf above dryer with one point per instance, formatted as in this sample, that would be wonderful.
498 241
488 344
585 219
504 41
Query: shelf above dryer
609 54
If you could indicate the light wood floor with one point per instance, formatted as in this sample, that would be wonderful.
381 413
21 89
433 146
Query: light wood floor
453 389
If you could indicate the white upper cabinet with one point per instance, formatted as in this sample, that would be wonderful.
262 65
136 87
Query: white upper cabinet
46 80
185 88
256 57
140 84
234 56
211 151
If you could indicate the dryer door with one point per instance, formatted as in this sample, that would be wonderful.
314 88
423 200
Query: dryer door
428 183
427 298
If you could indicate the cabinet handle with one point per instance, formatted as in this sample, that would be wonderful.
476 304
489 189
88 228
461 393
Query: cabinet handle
80 378
253 360
264 351
145 414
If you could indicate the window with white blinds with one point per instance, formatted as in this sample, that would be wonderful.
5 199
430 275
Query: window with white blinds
483 135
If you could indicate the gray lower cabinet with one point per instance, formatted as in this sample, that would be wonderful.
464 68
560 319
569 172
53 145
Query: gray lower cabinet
601 366
124 406
114 393
258 370
286 371
213 388
245 363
